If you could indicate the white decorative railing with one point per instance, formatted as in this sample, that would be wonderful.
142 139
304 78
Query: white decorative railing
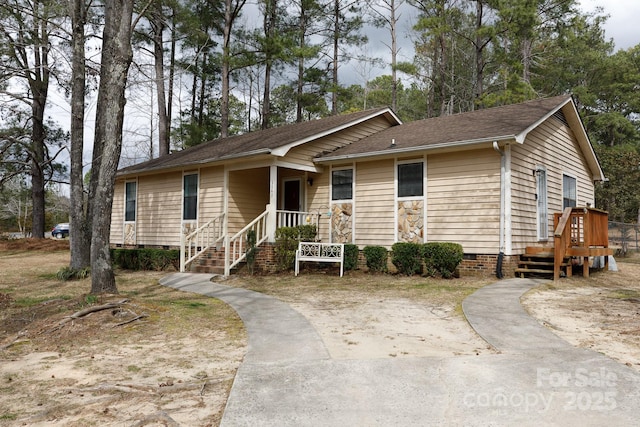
195 243
295 218
236 246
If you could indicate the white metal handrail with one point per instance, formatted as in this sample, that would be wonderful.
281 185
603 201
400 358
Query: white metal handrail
235 250
199 240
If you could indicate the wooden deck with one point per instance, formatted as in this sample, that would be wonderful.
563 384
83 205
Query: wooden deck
582 233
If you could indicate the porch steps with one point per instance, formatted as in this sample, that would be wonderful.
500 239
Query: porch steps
210 262
538 262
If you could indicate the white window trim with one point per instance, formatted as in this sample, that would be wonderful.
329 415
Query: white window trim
124 217
423 198
353 183
352 200
301 200
542 237
570 175
190 221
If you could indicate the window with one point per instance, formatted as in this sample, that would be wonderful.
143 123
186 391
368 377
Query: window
569 195
190 197
410 179
130 201
342 184
543 209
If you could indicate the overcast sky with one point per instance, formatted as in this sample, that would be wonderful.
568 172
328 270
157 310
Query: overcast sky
622 26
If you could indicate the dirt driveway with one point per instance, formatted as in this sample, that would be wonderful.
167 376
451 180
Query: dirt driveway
175 366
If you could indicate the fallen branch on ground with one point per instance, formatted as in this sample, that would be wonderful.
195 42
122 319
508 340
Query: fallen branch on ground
86 311
140 316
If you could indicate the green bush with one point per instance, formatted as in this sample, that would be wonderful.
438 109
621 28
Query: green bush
350 256
442 257
376 258
287 239
306 233
146 259
407 257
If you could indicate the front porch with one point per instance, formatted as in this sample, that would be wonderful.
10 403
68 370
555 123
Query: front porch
232 249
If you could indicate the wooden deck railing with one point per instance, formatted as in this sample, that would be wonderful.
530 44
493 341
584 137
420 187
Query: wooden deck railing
580 232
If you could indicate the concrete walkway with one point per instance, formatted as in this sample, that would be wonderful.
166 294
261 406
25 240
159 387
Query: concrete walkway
289 379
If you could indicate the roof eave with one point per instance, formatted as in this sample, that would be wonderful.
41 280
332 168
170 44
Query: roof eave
431 147
188 165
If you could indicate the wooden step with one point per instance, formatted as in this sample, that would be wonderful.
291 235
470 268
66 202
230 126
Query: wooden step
522 272
525 264
538 255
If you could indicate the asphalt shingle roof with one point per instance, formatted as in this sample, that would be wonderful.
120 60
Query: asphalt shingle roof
480 125
246 144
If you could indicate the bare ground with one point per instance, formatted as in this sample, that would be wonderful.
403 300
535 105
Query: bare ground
176 366
601 313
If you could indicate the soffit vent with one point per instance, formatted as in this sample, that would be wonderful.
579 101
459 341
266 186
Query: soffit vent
560 116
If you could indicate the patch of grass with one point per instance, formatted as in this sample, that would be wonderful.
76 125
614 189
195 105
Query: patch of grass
190 304
33 301
133 368
624 294
8 416
91 299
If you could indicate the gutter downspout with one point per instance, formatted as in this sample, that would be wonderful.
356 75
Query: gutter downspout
499 273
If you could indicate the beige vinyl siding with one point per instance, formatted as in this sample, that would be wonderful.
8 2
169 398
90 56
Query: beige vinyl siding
374 203
116 236
463 200
318 201
304 154
553 146
159 209
210 194
248 197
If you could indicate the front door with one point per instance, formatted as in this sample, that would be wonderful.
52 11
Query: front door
291 203
292 195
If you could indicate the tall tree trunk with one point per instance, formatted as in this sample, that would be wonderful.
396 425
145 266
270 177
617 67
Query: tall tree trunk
39 85
336 52
172 71
302 27
80 243
37 161
269 25
479 53
116 59
157 24
226 42
393 21
203 85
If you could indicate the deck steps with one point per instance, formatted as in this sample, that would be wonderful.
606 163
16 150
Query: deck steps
538 262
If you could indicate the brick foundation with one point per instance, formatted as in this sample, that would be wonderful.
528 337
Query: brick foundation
266 258
485 265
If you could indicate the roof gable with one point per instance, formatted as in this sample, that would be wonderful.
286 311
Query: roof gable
276 141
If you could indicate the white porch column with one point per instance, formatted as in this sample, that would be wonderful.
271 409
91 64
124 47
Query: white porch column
273 203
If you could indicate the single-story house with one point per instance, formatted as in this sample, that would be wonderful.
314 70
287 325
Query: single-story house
490 180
